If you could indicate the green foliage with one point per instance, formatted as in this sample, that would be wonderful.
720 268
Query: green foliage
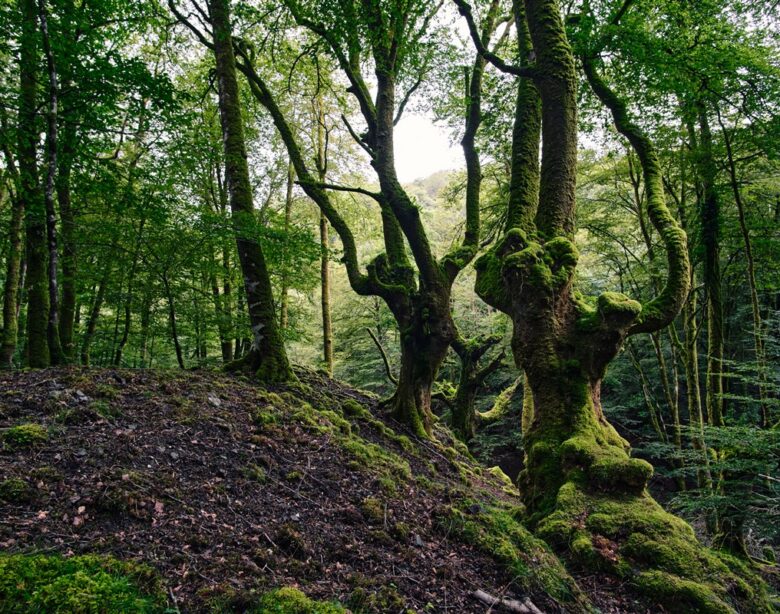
83 584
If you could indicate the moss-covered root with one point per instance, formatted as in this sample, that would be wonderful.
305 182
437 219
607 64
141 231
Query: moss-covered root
634 538
496 528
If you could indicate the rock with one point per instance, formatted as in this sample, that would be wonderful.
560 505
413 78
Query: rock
214 400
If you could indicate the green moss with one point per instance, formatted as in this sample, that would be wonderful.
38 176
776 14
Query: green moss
373 509
496 530
104 408
265 416
680 595
290 600
15 490
632 537
354 409
385 599
24 436
38 583
255 473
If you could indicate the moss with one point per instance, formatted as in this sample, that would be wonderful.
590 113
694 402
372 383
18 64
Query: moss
354 409
104 408
293 476
680 595
255 473
263 417
373 509
15 490
289 600
632 537
506 482
24 436
496 530
38 583
385 599
46 473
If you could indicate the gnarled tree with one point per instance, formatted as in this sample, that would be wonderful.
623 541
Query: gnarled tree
583 491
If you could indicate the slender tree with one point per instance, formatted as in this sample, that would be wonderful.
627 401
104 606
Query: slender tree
267 356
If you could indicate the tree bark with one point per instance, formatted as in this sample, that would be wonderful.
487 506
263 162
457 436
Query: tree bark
267 356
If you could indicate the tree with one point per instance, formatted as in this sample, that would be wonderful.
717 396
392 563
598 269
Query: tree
580 484
267 356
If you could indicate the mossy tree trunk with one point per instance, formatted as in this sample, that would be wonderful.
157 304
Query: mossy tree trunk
470 379
710 238
13 263
267 356
37 282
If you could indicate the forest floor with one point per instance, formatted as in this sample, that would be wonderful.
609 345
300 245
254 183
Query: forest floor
228 490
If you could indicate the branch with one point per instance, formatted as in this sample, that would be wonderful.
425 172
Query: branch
661 310
185 20
519 71
342 188
513 605
388 370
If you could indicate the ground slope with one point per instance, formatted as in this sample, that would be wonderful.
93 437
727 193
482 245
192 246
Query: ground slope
228 491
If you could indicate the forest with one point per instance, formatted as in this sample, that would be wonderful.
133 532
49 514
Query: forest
393 306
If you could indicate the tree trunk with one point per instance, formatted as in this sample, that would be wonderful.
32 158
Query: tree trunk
267 356
53 326
172 322
37 283
117 361
69 257
13 271
94 315
327 323
288 202
710 238
758 341
146 317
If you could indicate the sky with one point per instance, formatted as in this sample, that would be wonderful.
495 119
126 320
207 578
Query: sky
422 148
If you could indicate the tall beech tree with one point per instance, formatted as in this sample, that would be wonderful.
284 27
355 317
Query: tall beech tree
267 356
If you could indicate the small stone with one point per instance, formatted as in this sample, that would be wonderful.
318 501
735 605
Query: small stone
174 455
214 400
418 541
81 452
